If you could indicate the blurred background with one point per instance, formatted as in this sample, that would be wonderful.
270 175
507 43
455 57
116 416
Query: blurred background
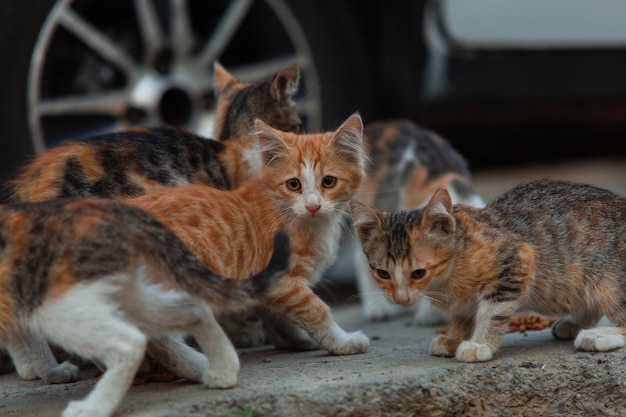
509 82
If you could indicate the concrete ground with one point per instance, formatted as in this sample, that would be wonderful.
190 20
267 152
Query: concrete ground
532 375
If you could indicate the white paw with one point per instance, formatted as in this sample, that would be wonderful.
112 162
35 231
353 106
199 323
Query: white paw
427 315
565 329
473 352
382 309
84 409
439 347
221 378
65 372
599 339
351 344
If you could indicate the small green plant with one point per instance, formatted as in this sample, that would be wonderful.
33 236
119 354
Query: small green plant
244 412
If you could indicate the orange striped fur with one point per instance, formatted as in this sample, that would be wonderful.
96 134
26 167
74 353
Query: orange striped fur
303 187
72 273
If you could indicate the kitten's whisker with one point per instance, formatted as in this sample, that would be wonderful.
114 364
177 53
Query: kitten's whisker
352 298
435 301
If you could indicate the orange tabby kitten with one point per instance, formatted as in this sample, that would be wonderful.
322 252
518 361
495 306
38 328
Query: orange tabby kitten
554 247
303 186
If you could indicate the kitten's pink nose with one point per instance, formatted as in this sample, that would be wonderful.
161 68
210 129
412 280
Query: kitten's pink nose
401 297
313 208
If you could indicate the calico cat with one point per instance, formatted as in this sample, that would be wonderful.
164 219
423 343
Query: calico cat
303 186
71 273
131 163
554 247
408 164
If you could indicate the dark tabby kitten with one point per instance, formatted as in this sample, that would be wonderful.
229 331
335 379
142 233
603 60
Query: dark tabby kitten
77 272
554 247
270 101
408 164
131 163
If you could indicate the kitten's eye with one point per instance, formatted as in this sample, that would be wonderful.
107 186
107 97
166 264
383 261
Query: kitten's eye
294 184
418 274
382 274
329 182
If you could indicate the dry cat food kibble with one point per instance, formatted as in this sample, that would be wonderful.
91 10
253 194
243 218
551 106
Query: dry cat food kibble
525 322
521 323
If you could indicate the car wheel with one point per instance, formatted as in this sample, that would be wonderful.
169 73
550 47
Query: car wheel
82 67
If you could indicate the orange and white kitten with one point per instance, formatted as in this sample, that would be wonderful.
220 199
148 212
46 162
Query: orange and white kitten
303 186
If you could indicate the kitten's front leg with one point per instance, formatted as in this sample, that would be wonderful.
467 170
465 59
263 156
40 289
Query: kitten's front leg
491 323
461 328
294 299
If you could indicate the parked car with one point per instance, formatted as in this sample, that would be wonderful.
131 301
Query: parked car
500 79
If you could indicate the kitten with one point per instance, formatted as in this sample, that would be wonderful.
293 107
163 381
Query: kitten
303 186
72 274
553 247
240 103
134 162
409 163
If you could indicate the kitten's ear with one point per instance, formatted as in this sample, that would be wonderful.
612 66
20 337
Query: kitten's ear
223 79
366 219
285 83
270 143
349 139
438 213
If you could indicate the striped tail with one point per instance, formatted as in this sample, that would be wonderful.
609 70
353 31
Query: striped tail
168 255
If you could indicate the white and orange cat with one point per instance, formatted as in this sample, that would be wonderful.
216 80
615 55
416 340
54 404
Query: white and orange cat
303 186
76 272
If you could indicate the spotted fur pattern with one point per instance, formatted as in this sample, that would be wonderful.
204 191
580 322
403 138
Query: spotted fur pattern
73 272
303 186
554 247
131 163
408 164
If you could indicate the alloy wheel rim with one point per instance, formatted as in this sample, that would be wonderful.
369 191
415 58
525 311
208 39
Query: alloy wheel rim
170 83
